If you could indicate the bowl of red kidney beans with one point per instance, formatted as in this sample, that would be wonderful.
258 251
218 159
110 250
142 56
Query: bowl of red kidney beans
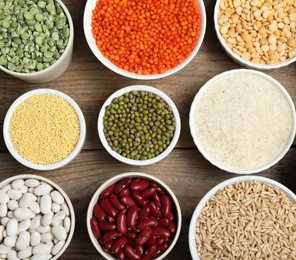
134 216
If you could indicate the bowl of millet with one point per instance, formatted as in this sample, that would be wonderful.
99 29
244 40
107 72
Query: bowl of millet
44 129
144 40
139 125
256 34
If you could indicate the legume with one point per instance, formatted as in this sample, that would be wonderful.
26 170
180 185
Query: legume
44 129
29 232
33 34
139 125
259 31
146 37
138 229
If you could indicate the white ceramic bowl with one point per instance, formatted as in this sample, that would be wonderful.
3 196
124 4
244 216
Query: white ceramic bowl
58 188
56 69
139 88
117 178
237 58
213 191
209 84
56 165
90 5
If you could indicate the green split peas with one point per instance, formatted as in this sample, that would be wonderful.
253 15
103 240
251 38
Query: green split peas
139 125
33 34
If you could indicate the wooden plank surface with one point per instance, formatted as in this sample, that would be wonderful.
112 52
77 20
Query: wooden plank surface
184 170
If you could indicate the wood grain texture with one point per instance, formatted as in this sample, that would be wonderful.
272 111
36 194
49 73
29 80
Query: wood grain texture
90 83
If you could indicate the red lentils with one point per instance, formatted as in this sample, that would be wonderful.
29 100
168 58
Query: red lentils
146 36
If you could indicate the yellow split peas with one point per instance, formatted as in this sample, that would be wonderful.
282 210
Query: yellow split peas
44 129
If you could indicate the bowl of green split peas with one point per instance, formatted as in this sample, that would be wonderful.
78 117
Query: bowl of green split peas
139 125
36 39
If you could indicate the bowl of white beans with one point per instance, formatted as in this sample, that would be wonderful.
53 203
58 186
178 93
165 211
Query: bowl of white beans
37 218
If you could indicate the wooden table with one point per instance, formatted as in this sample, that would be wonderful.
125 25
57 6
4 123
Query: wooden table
185 170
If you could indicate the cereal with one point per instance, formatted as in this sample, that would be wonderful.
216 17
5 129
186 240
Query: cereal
265 24
44 129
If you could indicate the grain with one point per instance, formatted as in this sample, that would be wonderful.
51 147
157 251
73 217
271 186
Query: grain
269 23
44 129
247 220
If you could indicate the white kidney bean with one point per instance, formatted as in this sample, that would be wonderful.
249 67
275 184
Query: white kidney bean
57 247
58 217
25 200
23 214
11 227
17 184
32 183
23 240
11 255
45 204
1 233
55 207
34 206
42 189
14 194
35 239
3 210
46 219
57 197
6 188
25 253
46 237
65 208
12 205
10 241
67 224
4 249
59 232
4 221
42 249
43 229
41 257
23 226
35 223
10 214
24 189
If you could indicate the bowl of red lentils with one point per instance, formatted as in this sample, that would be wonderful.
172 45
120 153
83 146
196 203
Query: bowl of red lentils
145 40
44 129
134 216
257 34
139 125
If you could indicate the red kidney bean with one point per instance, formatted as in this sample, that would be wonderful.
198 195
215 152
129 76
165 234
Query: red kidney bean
132 217
106 205
157 188
110 235
95 227
161 232
121 255
172 227
131 242
135 180
108 191
150 253
139 185
166 205
154 210
140 249
144 236
107 226
122 184
128 201
148 222
139 199
125 192
121 223
171 216
162 248
151 241
147 193
101 241
118 244
131 253
109 244
156 200
110 219
163 222
131 234
99 212
144 213
160 241
116 203
105 249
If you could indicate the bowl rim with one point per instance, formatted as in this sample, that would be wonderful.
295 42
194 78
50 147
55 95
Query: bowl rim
237 58
32 165
59 60
155 91
117 178
214 190
208 84
90 4
64 194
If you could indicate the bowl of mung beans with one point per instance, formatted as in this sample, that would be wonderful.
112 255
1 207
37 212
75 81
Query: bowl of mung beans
139 125
136 40
256 34
44 129
36 39
247 217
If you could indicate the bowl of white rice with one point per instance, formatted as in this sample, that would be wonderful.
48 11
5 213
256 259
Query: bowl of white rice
243 121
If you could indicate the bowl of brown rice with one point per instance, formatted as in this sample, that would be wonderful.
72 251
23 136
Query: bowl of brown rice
247 217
